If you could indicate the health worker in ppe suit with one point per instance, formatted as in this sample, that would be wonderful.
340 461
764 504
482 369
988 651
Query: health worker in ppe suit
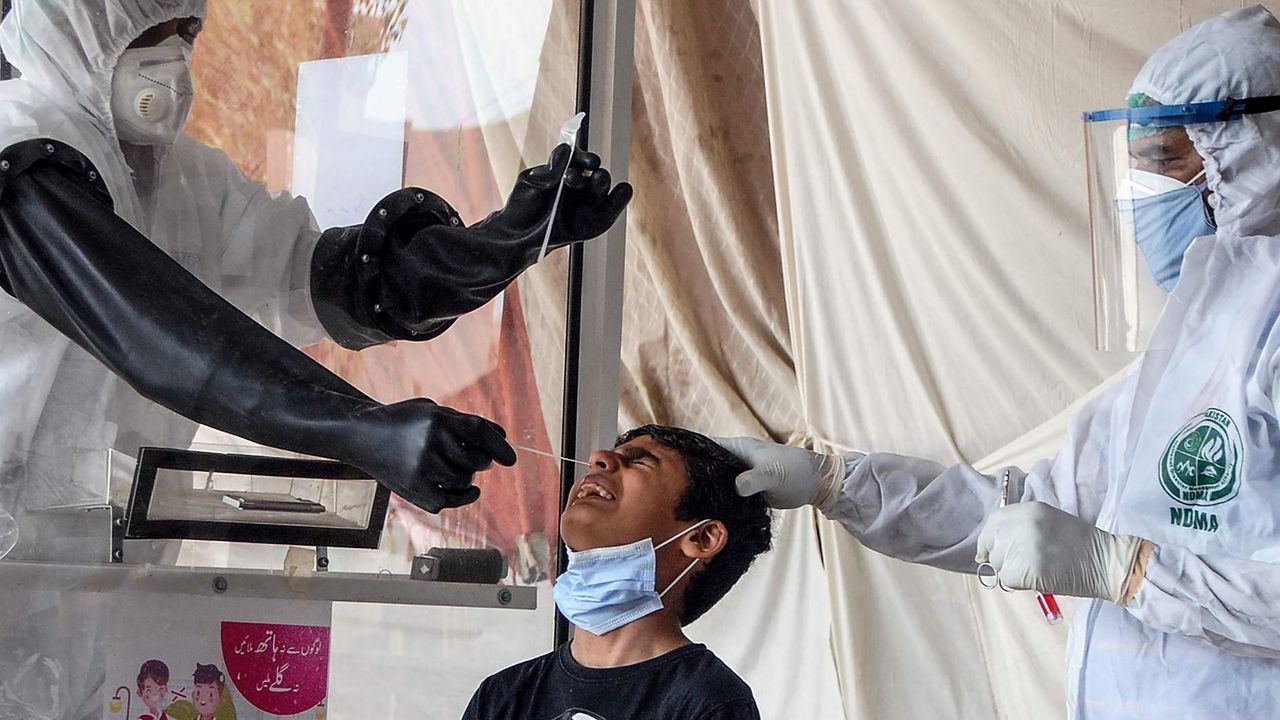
133 259
134 263
1163 506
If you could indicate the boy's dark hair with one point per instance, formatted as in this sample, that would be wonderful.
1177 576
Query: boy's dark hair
207 674
154 669
712 495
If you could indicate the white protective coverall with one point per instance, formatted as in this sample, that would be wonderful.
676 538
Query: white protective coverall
251 248
1201 639
63 408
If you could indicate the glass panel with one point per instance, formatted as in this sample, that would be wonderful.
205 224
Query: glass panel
337 102
342 106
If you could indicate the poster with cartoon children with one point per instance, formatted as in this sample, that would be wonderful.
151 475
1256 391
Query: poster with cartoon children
205 659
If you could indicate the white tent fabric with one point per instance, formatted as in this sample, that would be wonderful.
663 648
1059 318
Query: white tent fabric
773 628
705 341
704 333
928 166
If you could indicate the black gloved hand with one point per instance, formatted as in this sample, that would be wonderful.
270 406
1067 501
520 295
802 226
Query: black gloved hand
445 271
434 452
411 268
588 205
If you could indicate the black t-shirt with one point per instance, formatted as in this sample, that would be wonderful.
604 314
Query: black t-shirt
688 683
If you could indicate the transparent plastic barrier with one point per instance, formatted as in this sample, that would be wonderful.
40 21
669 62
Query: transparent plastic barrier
464 97
482 90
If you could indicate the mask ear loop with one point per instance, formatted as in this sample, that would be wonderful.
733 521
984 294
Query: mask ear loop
679 577
1204 201
681 534
672 539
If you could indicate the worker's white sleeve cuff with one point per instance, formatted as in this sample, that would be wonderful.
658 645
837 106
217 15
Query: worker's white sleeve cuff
1226 601
837 501
831 479
1162 602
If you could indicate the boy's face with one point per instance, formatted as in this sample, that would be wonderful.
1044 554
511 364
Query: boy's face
153 694
206 697
630 494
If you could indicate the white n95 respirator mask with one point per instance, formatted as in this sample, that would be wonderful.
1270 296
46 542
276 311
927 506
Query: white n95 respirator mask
151 92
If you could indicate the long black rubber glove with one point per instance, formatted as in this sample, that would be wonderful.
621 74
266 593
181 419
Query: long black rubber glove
411 269
91 275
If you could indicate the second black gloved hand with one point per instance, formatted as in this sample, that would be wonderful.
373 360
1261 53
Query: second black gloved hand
444 272
589 204
411 268
434 451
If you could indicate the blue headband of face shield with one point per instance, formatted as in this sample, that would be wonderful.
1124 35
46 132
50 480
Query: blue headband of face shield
1196 113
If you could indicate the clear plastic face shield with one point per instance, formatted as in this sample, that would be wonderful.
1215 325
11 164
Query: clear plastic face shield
1148 200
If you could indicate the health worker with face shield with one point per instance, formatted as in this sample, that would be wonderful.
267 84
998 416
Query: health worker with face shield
1163 507
148 286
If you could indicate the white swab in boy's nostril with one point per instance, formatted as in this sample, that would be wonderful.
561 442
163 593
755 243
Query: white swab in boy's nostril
551 455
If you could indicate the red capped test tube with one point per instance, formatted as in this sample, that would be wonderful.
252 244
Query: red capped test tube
1049 606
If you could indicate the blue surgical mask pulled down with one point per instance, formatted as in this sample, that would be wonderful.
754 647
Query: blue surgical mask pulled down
1165 223
606 588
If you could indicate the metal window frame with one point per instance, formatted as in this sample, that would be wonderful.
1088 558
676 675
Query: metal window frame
20 576
606 65
6 70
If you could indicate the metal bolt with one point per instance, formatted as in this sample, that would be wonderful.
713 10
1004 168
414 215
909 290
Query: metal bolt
504 596
419 197
364 258
48 147
382 212
454 220
4 165
322 562
117 555
119 522
219 584
377 308
92 176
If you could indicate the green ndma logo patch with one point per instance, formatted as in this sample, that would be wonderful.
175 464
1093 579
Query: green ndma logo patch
1201 465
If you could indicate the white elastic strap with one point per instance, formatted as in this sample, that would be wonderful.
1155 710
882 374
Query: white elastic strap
680 577
673 538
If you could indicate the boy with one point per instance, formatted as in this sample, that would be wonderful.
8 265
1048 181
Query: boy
657 535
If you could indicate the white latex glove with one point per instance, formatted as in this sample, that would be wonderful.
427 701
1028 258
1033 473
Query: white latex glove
789 477
1034 546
